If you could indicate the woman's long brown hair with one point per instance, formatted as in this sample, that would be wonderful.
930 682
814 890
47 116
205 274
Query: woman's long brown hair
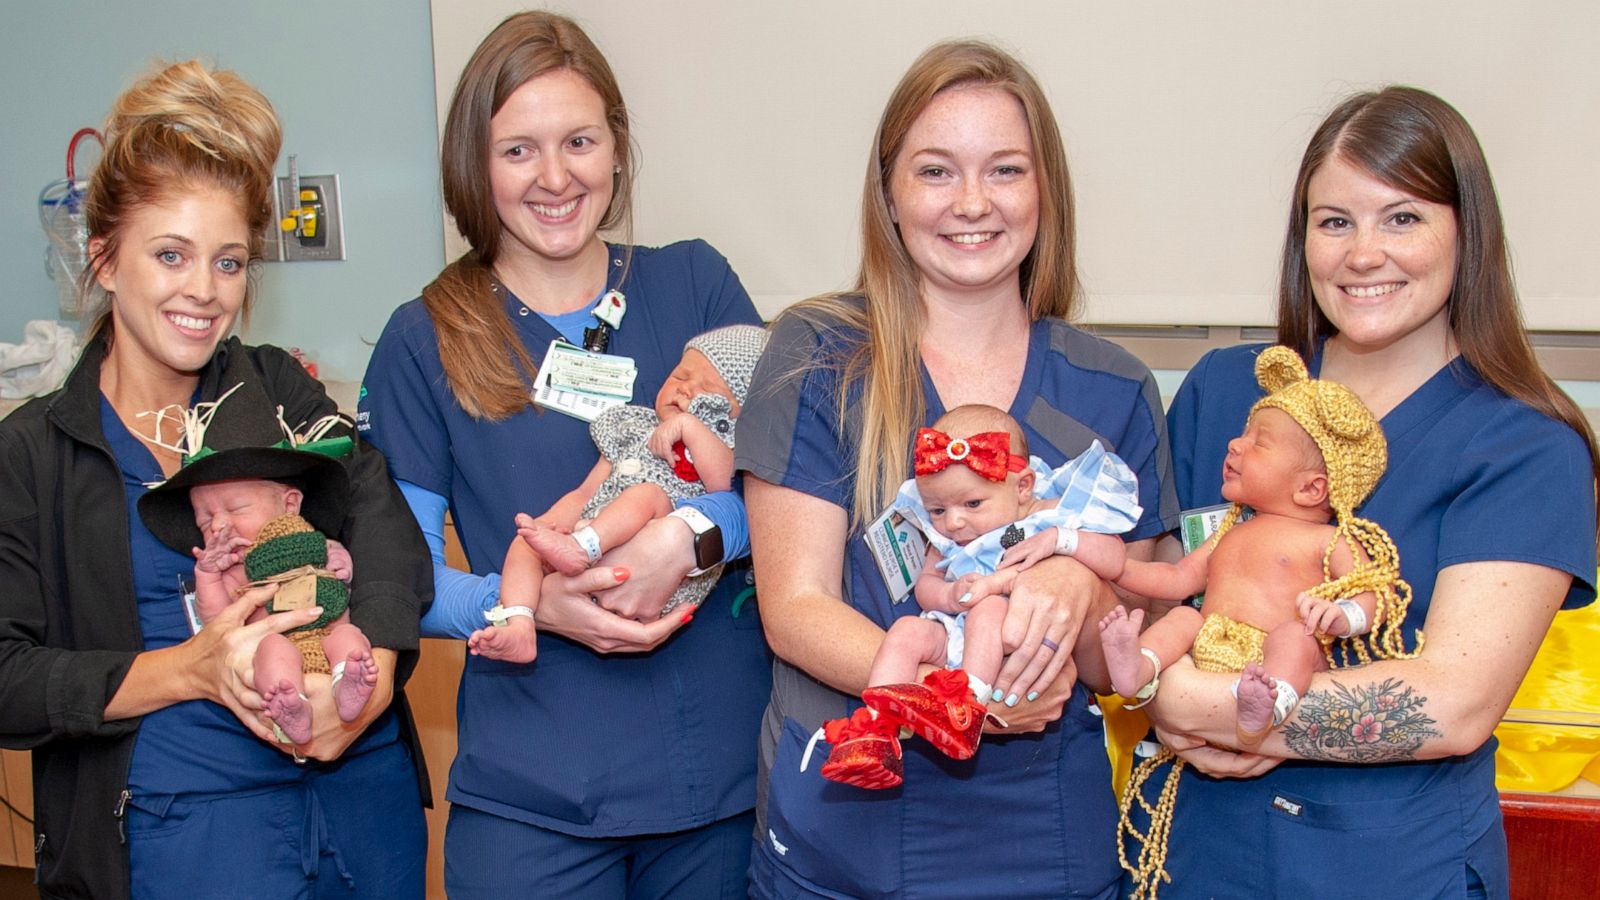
1415 142
487 366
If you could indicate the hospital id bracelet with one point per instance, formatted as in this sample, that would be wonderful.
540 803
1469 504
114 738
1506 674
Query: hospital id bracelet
1148 692
500 616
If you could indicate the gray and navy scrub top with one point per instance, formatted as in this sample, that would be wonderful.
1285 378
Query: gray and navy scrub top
1028 816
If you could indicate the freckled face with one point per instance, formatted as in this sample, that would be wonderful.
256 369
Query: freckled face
178 280
694 375
964 191
964 505
551 161
1382 262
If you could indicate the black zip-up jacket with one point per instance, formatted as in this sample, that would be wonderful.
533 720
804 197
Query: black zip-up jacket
69 623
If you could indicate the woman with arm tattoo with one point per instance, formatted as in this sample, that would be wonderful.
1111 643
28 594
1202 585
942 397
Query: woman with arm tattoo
1395 282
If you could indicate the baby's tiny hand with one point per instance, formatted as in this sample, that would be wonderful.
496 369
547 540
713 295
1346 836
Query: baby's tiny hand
220 555
339 562
1321 616
1025 553
669 432
998 584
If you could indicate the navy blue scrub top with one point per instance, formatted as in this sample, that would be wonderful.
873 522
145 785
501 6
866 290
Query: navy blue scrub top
1473 476
588 745
1029 815
194 747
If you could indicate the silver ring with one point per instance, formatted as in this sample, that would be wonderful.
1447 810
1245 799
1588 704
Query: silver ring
595 600
1051 644
298 759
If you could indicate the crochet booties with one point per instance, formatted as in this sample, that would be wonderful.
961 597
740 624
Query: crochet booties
942 709
866 751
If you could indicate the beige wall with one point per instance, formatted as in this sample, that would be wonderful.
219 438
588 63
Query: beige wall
1184 123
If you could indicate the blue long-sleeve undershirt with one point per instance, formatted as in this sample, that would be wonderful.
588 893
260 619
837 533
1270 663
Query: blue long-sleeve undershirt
460 598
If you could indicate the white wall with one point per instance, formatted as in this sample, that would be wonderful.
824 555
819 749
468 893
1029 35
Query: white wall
1184 124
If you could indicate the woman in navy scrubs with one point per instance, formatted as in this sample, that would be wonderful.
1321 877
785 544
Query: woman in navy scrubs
156 774
966 285
1395 282
581 774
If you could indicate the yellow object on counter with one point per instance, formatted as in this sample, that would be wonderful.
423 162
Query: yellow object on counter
1564 680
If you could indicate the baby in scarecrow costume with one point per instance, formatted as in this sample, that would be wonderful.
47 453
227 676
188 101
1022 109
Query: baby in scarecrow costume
1287 592
250 515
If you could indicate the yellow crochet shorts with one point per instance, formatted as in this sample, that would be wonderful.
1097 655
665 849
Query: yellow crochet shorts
1224 645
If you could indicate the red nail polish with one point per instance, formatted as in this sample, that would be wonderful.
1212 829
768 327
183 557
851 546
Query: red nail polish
688 617
619 573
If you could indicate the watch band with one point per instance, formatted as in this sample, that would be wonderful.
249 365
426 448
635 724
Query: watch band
707 538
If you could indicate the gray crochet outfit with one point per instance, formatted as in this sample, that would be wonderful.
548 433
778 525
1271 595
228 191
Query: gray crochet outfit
621 434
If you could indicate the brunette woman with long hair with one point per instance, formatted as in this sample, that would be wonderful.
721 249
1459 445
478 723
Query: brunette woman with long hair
620 763
1396 282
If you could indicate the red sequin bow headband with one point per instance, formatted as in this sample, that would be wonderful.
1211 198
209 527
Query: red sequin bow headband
988 454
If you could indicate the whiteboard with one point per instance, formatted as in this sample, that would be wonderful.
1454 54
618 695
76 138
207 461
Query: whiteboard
1184 125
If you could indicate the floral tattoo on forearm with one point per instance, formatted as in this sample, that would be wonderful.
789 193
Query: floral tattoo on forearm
1381 722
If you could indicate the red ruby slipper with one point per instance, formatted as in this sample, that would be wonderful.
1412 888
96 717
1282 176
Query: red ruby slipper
942 709
866 751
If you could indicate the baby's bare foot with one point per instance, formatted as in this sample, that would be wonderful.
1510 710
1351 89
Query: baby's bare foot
351 691
1257 693
517 641
288 710
559 551
1119 640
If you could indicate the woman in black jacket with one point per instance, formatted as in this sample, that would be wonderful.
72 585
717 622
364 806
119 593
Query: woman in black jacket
154 773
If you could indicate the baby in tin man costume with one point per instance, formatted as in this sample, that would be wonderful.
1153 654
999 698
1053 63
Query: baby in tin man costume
650 458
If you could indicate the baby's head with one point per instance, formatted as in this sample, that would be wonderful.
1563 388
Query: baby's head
240 506
1310 443
717 362
972 471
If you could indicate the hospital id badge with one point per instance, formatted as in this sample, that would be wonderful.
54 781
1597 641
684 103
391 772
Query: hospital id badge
582 384
1198 525
899 548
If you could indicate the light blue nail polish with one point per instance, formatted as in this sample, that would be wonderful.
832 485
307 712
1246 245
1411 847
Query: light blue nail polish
998 696
1011 700
965 598
1032 696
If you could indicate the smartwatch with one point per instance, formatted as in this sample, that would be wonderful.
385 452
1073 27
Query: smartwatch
707 538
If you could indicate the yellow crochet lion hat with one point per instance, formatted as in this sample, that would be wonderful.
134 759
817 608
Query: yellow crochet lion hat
1356 454
1352 444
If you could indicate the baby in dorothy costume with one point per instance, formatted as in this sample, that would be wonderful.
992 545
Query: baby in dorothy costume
989 511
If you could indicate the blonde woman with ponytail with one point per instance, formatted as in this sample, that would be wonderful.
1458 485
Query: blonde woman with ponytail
966 289
156 774
620 763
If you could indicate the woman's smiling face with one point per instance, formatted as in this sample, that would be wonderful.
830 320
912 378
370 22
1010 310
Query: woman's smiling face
964 191
1382 262
178 280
